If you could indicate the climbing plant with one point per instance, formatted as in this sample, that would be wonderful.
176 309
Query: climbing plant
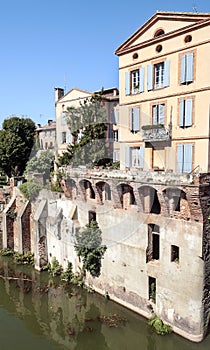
89 248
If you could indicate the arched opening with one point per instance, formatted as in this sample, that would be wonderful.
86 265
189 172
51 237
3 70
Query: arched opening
126 194
149 200
104 191
87 189
72 189
177 201
158 33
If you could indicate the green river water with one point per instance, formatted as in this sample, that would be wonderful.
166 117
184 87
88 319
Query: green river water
38 312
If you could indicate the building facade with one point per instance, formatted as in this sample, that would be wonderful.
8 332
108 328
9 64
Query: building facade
46 135
164 79
74 98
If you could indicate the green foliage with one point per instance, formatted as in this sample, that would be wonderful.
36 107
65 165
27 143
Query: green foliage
88 247
30 189
90 118
11 213
16 142
40 164
7 252
55 268
24 259
67 275
159 326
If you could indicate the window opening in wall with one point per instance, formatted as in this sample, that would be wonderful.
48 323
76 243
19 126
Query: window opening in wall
159 32
159 48
153 247
152 289
188 39
115 135
159 75
135 56
174 253
91 216
158 114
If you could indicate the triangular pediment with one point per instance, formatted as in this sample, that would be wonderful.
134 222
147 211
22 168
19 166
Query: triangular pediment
74 94
165 23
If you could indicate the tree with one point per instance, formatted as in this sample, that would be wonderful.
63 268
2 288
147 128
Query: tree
16 142
41 163
88 125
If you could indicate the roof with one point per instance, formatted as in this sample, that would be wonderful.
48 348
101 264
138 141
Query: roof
187 18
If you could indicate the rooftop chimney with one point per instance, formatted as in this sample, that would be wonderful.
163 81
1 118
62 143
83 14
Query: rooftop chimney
59 92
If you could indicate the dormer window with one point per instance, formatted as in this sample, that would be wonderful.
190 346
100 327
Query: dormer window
158 33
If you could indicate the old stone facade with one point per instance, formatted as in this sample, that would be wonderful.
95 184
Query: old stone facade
155 227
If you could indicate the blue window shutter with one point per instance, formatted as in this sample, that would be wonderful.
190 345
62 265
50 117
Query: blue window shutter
141 157
127 83
166 81
183 69
61 138
114 156
188 152
189 67
115 116
161 114
188 112
181 113
131 119
150 77
180 158
127 157
136 119
154 115
141 79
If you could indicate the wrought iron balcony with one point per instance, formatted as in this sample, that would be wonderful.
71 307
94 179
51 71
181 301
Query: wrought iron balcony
154 133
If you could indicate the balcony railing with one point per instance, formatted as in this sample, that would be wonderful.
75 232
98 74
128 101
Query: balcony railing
156 133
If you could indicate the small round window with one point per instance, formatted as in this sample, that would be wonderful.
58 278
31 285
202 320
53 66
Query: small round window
159 48
135 56
188 39
159 32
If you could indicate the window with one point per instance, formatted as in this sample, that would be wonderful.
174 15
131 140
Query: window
184 157
63 137
116 156
134 119
174 253
185 116
159 32
153 248
63 118
134 157
115 135
158 75
134 81
115 116
91 216
187 68
158 114
152 289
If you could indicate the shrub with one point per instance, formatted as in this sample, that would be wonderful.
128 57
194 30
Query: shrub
159 326
30 189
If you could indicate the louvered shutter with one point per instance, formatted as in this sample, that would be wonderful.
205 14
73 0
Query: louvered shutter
141 79
183 69
150 77
131 119
181 113
188 152
141 157
154 115
136 119
180 158
127 157
189 67
127 83
115 116
188 112
166 78
61 138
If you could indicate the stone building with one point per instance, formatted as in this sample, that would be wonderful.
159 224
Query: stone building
46 135
74 98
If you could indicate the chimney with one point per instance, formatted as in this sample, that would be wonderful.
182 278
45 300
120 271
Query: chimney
59 92
50 122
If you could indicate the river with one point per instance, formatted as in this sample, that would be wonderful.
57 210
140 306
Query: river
40 312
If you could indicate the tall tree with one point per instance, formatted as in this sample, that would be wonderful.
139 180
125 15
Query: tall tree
16 142
88 125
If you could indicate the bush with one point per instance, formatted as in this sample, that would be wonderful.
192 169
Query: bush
159 326
30 189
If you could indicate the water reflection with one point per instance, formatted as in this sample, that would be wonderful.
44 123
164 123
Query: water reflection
40 312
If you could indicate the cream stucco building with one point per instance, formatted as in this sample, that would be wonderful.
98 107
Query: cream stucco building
164 109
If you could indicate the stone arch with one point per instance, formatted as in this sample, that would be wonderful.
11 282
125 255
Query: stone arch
87 189
103 191
149 199
177 203
72 189
126 195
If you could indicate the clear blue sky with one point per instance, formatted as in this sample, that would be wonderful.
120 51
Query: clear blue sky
66 43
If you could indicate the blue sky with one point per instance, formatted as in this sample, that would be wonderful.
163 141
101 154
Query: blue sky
67 43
